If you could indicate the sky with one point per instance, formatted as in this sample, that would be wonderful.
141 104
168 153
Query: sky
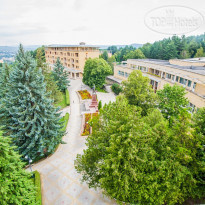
95 22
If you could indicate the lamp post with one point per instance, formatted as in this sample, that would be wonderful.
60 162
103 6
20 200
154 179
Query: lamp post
29 161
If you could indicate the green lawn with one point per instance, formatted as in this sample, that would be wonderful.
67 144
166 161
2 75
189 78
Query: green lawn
101 90
65 120
65 100
37 182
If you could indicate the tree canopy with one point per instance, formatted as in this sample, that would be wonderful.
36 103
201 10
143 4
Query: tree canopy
139 160
16 184
51 86
172 100
95 72
138 91
26 112
60 75
175 47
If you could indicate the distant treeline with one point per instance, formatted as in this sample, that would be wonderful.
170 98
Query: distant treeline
168 48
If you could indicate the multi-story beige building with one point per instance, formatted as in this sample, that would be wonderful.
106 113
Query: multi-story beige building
190 73
73 57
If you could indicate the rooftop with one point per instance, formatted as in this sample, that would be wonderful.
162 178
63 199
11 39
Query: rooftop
194 69
71 46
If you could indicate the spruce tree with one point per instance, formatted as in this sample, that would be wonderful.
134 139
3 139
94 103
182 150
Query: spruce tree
16 186
4 75
51 86
60 76
30 117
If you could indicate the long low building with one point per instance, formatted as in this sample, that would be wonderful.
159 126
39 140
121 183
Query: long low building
72 57
190 73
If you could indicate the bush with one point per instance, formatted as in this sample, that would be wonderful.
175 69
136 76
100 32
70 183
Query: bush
116 88
67 97
37 182
100 105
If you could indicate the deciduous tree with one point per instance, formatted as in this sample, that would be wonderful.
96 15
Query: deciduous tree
138 91
172 100
95 72
133 158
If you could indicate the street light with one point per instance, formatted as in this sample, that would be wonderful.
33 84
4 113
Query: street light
29 161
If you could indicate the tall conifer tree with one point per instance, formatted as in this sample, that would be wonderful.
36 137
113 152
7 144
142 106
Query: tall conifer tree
30 117
60 76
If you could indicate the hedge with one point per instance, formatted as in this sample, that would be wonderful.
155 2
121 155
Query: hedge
67 97
37 182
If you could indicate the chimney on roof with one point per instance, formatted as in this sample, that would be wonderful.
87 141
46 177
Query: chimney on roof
82 43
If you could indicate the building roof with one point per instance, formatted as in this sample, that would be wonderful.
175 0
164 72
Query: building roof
70 46
111 77
194 69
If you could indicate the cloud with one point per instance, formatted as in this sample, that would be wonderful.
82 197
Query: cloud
81 28
78 4
70 21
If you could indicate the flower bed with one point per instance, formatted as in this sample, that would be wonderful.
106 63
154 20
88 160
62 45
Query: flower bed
85 94
87 126
95 114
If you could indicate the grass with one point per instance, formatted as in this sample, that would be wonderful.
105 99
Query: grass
65 100
37 182
101 90
67 97
65 120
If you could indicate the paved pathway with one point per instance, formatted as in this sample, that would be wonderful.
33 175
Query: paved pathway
60 181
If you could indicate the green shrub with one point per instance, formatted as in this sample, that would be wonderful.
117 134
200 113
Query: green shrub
67 97
116 88
37 181
101 90
100 105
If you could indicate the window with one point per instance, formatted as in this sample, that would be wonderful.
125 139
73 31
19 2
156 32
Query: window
126 74
192 106
168 76
121 73
194 86
177 78
189 83
173 76
181 80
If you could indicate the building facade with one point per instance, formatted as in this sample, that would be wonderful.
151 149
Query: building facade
189 73
72 57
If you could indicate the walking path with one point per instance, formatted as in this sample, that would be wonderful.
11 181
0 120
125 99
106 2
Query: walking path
60 181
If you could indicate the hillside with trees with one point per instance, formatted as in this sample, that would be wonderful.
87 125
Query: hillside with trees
176 47
168 48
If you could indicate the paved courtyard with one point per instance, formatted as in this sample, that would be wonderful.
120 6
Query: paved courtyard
60 182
